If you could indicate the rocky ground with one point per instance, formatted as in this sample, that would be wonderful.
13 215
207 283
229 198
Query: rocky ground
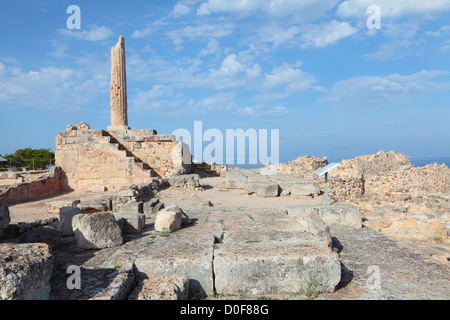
228 223
402 201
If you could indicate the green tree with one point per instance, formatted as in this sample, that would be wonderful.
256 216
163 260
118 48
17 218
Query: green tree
31 158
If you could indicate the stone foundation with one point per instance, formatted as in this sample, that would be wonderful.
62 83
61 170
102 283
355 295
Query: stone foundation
47 184
116 158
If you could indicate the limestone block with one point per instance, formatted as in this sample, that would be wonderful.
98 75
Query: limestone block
130 222
299 187
96 231
168 221
189 181
29 224
65 217
335 216
152 207
174 208
25 271
98 188
312 223
55 206
273 264
42 234
132 206
186 252
262 188
235 181
162 288
95 205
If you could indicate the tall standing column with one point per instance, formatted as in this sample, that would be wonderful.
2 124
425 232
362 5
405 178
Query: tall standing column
119 117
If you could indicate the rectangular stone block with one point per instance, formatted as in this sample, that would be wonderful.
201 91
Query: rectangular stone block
335 216
253 264
65 220
262 188
129 222
299 187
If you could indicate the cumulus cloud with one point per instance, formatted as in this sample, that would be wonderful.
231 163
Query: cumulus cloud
304 10
290 79
393 9
394 89
201 32
326 34
48 87
180 10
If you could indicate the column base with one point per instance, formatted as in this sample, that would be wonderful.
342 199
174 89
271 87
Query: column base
118 128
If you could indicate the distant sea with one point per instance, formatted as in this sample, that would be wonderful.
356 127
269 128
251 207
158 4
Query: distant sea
416 161
421 162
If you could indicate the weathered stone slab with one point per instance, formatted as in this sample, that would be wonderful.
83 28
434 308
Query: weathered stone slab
54 206
262 188
98 188
299 187
42 234
312 223
258 263
29 224
235 180
188 251
151 208
130 222
132 206
25 271
335 216
96 231
162 288
188 181
95 205
65 217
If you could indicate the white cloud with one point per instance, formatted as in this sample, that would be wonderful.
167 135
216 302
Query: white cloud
201 32
290 79
393 9
212 48
394 89
49 88
94 34
263 111
277 34
326 34
301 10
180 10
232 73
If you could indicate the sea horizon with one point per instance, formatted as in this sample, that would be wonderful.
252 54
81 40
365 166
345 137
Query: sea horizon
416 161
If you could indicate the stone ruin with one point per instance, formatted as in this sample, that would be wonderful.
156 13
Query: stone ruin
118 156
130 245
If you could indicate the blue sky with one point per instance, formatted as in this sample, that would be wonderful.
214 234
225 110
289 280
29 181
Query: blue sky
310 68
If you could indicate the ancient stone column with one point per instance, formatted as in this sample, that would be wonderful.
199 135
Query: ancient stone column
119 117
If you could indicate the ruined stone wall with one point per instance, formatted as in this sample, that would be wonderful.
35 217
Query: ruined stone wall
115 158
49 183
